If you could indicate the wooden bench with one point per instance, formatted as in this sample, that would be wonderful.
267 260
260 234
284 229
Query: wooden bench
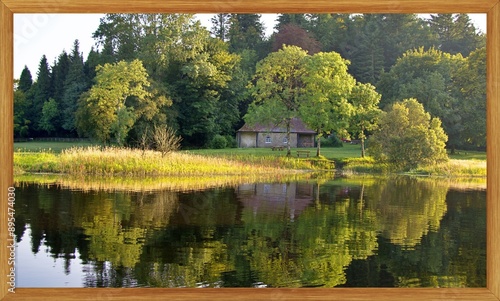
280 148
305 153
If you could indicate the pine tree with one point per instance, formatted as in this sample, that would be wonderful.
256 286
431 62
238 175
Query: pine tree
296 19
456 33
368 54
246 32
59 72
25 81
74 86
42 91
220 26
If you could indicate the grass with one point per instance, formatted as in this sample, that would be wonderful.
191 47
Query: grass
340 153
48 146
455 167
84 159
468 155
113 161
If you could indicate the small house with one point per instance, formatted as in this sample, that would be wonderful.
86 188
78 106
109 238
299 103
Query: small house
275 136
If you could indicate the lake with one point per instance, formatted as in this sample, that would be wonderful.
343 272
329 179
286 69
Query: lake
327 232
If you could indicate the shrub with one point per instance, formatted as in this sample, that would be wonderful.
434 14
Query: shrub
165 140
331 141
408 137
218 142
231 141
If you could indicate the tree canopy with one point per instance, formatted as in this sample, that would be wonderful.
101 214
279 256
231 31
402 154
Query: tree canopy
409 137
203 83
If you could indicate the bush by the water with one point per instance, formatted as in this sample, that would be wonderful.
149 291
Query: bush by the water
408 137
331 141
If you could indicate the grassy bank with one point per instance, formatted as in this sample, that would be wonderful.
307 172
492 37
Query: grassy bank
114 161
63 157
452 168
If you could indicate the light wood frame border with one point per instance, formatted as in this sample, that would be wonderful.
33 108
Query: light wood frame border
491 7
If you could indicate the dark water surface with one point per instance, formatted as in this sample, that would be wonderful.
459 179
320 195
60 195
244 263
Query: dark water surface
396 232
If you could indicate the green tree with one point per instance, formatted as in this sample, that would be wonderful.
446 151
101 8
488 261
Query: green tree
332 31
403 32
21 124
25 80
50 112
246 32
471 78
368 50
300 20
119 35
220 26
42 91
74 85
277 87
429 76
59 73
22 101
103 112
365 99
325 105
408 137
204 79
456 33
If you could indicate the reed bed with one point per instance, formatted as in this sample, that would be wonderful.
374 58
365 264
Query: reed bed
456 168
114 161
451 168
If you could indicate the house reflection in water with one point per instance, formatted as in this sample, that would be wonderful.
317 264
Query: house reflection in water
276 199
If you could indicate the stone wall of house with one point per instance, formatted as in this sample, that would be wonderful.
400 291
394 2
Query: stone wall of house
275 139
246 139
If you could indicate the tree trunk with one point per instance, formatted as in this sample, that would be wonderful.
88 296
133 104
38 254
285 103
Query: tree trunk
288 149
362 138
362 147
318 147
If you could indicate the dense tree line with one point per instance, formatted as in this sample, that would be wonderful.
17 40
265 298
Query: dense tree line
196 80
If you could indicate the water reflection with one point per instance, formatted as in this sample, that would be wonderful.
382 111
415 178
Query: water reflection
398 231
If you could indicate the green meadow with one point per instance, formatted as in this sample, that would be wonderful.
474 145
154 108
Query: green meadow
85 158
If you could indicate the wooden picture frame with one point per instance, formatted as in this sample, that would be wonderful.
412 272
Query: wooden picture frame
491 7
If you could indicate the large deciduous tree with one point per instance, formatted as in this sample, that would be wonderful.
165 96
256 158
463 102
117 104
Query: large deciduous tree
429 77
291 34
365 99
471 78
50 112
408 137
277 88
325 105
103 112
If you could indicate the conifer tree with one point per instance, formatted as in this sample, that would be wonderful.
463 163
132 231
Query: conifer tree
25 81
74 86
42 91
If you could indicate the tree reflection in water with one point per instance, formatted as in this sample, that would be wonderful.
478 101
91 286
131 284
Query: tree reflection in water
397 231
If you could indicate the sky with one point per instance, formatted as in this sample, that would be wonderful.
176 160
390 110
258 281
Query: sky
50 34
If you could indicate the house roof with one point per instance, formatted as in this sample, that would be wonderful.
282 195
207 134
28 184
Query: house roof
296 126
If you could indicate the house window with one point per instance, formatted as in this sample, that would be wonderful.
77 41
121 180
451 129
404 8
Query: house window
285 140
268 139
